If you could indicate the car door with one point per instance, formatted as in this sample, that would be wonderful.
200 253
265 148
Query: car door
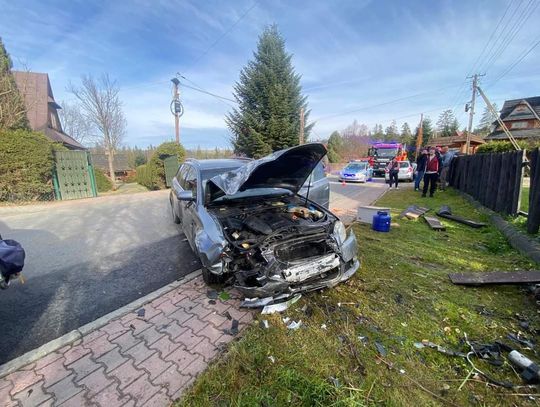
177 186
189 208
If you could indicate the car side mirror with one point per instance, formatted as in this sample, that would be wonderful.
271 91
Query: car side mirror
185 196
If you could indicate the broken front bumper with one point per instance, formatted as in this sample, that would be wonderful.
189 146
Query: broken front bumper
276 285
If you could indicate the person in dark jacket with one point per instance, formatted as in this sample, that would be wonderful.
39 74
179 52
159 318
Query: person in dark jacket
421 162
433 165
393 171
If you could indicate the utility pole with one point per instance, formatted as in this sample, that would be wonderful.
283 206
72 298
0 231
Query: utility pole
471 112
301 138
176 109
419 138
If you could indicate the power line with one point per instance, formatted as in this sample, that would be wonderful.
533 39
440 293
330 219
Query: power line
523 56
226 32
514 30
383 103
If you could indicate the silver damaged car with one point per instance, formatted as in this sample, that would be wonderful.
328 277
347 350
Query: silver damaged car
249 226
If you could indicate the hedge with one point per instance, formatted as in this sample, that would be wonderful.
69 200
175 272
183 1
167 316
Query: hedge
103 183
26 165
504 146
163 151
146 176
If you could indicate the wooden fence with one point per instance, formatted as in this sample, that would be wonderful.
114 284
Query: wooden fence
533 219
492 179
495 180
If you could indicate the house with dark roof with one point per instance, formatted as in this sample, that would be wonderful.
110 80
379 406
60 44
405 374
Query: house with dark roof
458 142
121 166
42 109
522 117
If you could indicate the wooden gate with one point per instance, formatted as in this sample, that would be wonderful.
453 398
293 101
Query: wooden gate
74 175
171 167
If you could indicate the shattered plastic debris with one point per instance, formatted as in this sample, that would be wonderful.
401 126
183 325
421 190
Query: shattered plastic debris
282 306
380 349
402 371
141 312
335 381
286 320
256 302
212 294
521 340
234 327
294 325
428 344
264 324
272 359
323 326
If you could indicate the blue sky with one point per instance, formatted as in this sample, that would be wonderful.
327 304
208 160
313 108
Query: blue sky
352 55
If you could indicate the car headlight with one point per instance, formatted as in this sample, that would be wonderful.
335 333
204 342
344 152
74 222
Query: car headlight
339 232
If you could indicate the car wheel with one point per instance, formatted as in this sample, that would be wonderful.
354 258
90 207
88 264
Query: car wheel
175 217
211 278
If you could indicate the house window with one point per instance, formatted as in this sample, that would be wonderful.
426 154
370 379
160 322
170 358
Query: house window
53 121
519 125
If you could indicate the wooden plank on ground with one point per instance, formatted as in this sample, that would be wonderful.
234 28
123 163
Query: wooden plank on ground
413 212
434 223
496 277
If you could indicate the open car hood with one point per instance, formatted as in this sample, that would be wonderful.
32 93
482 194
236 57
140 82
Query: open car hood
288 169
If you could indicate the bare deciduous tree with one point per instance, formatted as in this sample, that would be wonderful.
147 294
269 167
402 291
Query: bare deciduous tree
100 102
75 123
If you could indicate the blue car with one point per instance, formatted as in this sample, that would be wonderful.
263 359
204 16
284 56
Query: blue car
356 171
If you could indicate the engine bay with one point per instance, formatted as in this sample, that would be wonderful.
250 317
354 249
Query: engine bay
281 239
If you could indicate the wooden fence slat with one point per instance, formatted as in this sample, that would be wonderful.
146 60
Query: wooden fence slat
533 220
517 183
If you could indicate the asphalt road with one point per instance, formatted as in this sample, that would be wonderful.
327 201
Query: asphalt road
85 259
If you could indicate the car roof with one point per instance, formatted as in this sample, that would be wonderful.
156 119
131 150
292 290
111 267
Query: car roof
216 163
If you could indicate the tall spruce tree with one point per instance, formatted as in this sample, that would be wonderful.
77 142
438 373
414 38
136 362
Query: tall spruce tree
447 124
12 108
269 99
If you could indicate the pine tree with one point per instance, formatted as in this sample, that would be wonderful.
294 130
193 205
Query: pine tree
12 108
334 146
447 124
377 134
406 135
391 133
487 120
269 99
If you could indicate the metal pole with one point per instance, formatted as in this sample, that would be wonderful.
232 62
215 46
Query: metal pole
471 112
419 138
301 138
176 117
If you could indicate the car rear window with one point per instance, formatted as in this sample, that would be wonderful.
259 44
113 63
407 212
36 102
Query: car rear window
404 164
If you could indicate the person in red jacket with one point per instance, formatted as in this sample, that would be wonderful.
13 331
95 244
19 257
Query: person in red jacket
431 175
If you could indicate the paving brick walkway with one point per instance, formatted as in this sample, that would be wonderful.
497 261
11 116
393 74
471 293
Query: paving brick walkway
140 359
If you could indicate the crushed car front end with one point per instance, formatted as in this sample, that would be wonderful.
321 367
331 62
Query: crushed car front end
282 246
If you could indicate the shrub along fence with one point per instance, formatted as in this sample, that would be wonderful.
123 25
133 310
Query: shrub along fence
495 180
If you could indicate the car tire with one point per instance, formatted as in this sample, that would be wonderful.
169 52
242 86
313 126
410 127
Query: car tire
211 278
175 217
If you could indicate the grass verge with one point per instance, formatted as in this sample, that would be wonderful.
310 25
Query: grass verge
401 295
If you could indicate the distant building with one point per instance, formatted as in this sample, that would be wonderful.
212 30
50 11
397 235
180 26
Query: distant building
42 109
121 166
522 117
458 142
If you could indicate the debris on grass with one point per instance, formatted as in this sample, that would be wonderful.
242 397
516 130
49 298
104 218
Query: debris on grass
521 340
280 307
380 349
256 302
530 371
264 324
295 325
272 359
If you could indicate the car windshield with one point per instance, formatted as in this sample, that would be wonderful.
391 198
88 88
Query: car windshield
387 152
254 192
356 167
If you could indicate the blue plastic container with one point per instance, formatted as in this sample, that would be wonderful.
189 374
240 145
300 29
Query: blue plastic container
381 221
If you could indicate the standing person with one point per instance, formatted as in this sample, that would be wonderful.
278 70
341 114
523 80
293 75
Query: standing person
432 173
421 162
393 171
446 160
